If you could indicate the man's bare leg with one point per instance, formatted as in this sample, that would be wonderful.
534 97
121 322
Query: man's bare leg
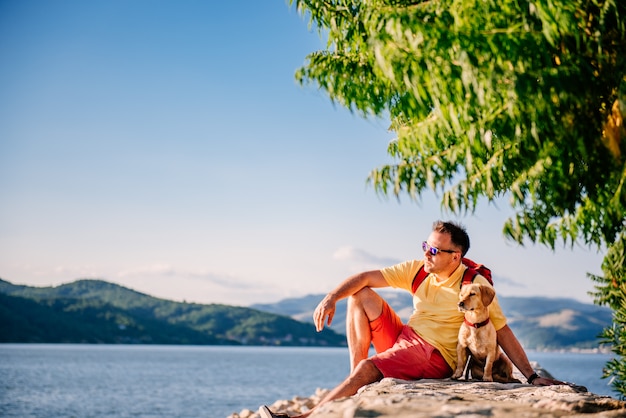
363 307
364 374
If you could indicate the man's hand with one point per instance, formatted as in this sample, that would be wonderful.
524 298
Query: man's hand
324 313
544 381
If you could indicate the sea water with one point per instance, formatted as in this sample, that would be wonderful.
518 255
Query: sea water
66 380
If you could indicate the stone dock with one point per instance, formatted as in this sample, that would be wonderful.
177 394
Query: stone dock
451 398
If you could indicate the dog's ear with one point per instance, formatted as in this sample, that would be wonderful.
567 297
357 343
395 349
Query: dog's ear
487 294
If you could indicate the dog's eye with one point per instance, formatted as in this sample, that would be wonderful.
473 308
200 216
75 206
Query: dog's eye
472 294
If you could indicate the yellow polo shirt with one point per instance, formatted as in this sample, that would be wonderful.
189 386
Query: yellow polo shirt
436 317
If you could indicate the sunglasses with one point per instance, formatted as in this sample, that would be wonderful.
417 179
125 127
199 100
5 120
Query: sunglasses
434 250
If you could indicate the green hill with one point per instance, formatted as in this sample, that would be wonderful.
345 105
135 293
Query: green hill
95 311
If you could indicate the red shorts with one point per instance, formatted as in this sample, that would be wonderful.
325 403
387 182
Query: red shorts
402 353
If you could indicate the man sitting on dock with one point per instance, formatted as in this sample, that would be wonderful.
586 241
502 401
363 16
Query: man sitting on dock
425 347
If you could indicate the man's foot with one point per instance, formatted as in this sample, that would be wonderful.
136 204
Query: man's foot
265 412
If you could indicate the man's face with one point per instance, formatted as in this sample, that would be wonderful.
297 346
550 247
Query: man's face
443 261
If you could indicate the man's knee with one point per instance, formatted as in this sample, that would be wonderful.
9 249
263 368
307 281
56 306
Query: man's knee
362 295
367 301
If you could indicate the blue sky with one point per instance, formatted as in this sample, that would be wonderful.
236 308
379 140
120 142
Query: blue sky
165 146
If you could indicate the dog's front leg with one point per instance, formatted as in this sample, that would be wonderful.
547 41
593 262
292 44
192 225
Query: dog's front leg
461 358
488 372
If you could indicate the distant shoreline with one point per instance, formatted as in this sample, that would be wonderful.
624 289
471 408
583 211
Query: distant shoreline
599 350
572 350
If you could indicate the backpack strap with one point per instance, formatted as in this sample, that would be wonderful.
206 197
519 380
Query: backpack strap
420 276
473 269
468 276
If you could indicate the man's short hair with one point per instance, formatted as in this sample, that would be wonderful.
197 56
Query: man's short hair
458 235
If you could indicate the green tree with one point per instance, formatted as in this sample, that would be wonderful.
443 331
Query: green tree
515 99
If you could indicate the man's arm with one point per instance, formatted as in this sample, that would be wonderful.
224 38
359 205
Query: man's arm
326 309
513 349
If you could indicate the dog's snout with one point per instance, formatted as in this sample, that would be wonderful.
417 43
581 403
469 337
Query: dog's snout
461 304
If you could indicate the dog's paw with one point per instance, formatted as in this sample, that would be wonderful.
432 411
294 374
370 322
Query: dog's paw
457 375
487 379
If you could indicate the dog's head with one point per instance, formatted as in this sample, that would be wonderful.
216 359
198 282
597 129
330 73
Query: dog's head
475 296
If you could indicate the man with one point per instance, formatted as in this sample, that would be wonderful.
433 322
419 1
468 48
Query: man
425 348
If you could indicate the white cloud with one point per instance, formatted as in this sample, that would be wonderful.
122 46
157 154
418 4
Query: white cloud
361 259
155 269
168 271
73 271
195 285
500 281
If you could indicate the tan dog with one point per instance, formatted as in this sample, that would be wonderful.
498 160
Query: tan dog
477 336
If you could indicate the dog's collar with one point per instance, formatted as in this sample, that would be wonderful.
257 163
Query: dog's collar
478 325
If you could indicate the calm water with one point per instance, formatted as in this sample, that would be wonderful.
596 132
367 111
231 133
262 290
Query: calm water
192 381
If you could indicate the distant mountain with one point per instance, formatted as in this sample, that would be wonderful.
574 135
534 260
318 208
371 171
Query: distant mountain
539 323
555 323
95 311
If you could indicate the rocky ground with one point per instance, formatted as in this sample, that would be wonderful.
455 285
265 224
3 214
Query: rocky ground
450 398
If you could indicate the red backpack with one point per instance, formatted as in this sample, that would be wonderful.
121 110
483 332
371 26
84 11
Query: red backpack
473 269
